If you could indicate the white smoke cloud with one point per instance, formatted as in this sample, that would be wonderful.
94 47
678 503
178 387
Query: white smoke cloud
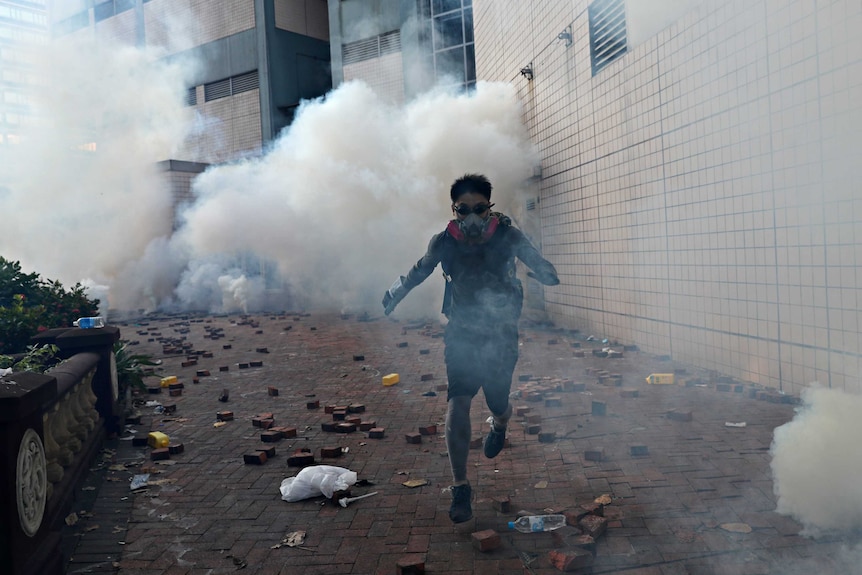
816 462
341 203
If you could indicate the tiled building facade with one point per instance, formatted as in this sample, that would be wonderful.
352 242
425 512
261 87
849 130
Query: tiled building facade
698 189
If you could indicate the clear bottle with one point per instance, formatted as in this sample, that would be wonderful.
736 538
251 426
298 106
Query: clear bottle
89 322
538 523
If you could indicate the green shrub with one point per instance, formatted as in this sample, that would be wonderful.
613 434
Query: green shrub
29 305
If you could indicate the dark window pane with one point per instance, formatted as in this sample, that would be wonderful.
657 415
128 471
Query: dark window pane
450 64
440 6
448 31
103 10
468 26
470 62
123 5
468 3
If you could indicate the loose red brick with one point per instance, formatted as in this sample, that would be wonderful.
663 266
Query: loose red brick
286 432
569 536
594 454
722 387
533 418
547 437
679 415
328 426
424 351
160 454
175 392
207 355
426 377
356 408
358 358
255 364
266 415
522 410
486 540
202 373
196 380
261 350
571 559
272 391
313 404
331 452
300 460
256 421
224 368
154 389
413 438
355 420
268 450
226 346
534 396
175 448
189 363
267 423
410 565
271 436
441 387
339 415
345 428
367 425
502 504
376 432
428 430
224 416
578 353
593 525
256 458
243 365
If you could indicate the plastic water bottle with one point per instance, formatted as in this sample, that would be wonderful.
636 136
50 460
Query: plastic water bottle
538 523
89 322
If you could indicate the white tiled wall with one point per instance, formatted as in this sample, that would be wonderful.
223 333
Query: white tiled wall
306 17
384 74
229 128
181 24
698 194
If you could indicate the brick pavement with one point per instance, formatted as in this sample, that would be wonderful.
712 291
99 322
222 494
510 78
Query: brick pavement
206 512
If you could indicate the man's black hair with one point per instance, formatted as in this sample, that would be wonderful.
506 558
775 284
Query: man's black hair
470 183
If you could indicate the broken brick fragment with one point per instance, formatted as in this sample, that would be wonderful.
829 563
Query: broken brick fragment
272 391
339 415
224 416
331 452
502 504
328 426
533 429
410 565
428 430
553 401
268 450
426 377
486 540
313 404
176 448
224 368
271 436
571 559
413 437
401 344
356 408
358 358
300 459
286 432
160 454
593 525
367 425
256 458
345 428
522 410
376 432
255 363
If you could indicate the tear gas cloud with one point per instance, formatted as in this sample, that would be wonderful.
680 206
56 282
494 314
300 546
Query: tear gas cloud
340 204
816 462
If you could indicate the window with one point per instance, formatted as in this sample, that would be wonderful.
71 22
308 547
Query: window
192 96
441 6
451 40
448 31
607 32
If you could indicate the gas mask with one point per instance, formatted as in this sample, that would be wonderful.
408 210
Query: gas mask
473 226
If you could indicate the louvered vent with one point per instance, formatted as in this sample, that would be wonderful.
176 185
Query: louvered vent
388 43
216 90
531 204
607 32
192 96
244 82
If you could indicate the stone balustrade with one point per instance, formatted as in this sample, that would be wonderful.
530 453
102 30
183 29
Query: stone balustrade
52 426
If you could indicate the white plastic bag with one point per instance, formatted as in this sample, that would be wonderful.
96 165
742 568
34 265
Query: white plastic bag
317 480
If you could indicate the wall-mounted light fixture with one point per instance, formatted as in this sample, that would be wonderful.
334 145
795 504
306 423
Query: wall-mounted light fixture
527 71
566 36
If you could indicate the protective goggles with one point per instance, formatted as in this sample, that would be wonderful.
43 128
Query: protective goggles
466 210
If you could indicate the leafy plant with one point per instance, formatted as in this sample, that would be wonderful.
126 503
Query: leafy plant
29 304
38 358
131 368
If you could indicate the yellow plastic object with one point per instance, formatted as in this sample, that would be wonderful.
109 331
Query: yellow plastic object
167 381
391 379
157 439
660 379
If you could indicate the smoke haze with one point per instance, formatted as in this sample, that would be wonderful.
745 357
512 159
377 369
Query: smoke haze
816 462
340 204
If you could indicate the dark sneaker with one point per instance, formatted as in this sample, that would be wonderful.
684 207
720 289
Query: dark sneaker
460 510
494 442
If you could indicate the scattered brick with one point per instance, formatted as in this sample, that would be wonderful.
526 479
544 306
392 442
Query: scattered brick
593 525
571 559
139 441
599 408
175 392
534 429
224 368
225 395
286 432
202 372
533 418
345 428
354 419
169 409
410 565
428 430
424 351
629 393
328 426
261 350
339 415
226 346
207 355
358 358
367 425
189 363
271 436
639 450
502 504
547 437
571 537
242 365
224 416
154 390
553 401
272 391
376 432
255 363
268 450
256 458
356 408
313 404
426 377
679 415
176 448
522 410
300 459
486 540
442 387
331 452
160 454
195 380
578 353
401 344
594 454
413 438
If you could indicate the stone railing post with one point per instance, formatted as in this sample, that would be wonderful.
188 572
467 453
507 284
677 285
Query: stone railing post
28 544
